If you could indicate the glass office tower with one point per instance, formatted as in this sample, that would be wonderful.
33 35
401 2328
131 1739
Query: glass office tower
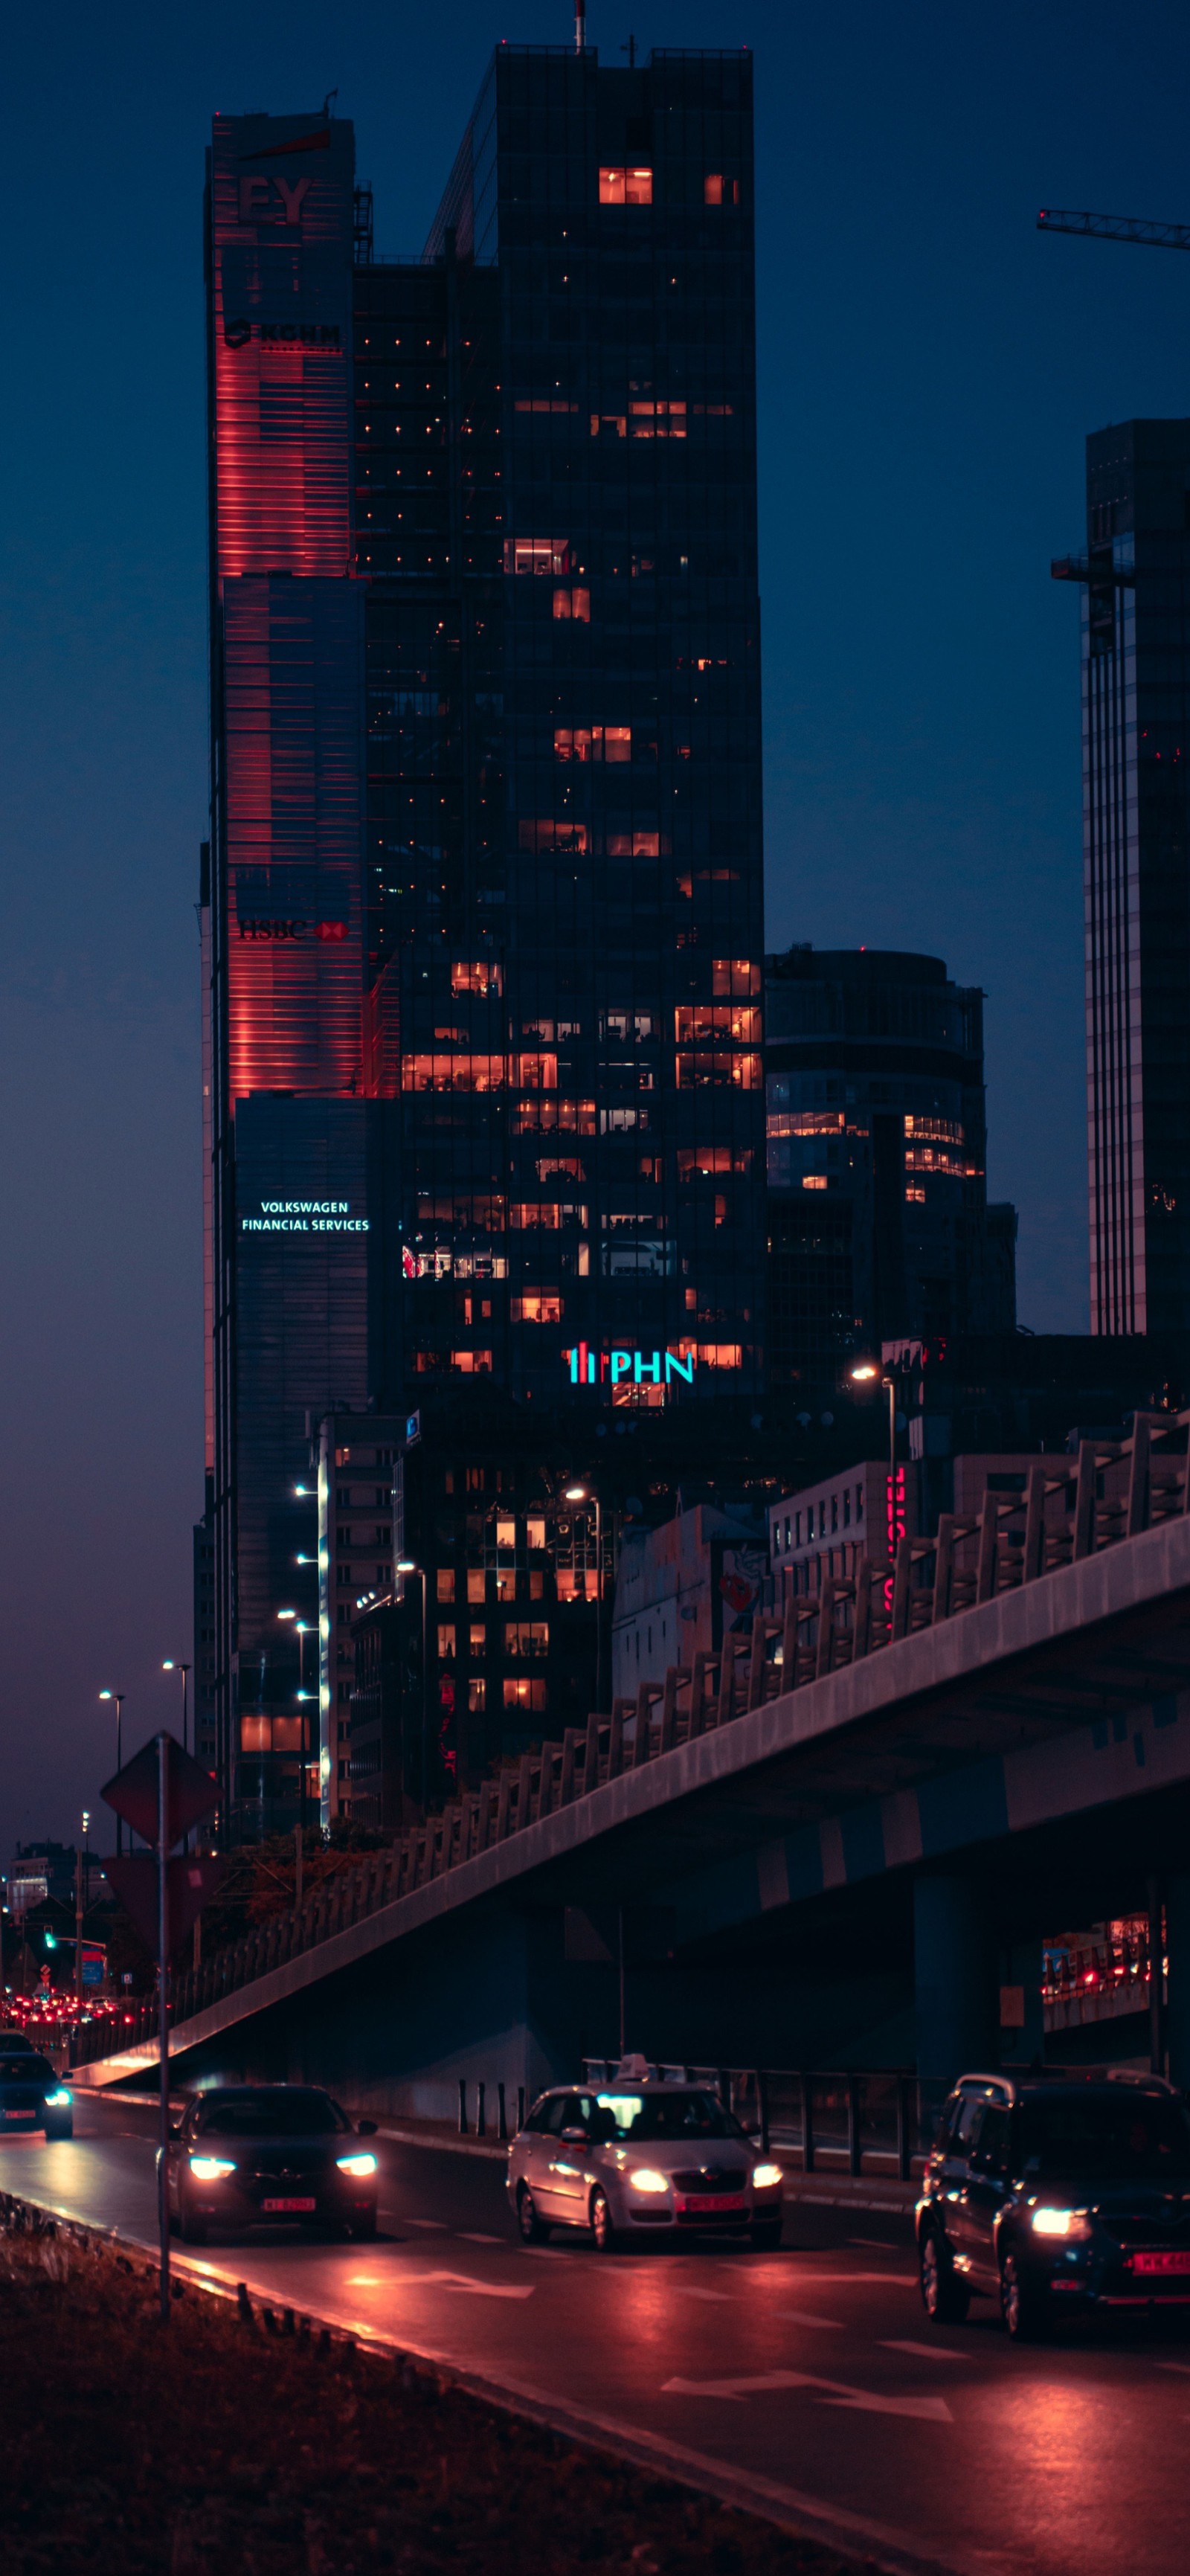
1136 843
879 1223
484 930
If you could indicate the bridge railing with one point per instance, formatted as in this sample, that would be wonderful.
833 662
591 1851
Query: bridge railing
1069 1509
856 2122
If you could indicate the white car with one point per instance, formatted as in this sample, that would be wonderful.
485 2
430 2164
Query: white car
639 2160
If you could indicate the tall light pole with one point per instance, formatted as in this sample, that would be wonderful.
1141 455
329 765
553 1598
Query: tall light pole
865 1373
304 1630
118 1697
79 1879
581 1494
172 1665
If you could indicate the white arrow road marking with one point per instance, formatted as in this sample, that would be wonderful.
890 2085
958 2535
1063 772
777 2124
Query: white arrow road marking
930 2410
926 2351
463 2281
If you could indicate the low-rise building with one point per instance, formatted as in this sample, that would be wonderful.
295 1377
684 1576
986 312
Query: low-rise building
681 1587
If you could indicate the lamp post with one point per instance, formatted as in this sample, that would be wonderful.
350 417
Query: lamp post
79 1882
292 1614
404 1566
172 1665
866 1373
118 1697
304 1630
582 1494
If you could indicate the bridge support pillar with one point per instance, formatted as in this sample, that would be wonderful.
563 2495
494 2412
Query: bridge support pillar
1177 1942
954 1972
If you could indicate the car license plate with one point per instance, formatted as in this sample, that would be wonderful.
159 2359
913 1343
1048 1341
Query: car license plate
1171 2262
714 2200
289 2204
18 2115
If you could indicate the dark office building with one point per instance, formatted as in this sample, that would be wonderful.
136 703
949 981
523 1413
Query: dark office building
879 1225
483 909
1136 847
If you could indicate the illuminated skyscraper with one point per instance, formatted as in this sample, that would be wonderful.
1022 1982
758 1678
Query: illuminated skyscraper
484 927
1136 847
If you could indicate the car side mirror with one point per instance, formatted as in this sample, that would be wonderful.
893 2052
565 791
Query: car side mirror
573 2138
365 2128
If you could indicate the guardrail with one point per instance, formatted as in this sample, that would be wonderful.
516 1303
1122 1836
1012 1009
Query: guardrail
859 2121
1070 1509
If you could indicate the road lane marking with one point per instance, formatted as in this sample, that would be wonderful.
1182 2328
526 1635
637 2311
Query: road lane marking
686 2290
471 2236
828 2392
1182 2367
891 2280
439 2223
799 2317
875 2244
464 2281
925 2351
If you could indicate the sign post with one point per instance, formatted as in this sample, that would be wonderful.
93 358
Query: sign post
161 1793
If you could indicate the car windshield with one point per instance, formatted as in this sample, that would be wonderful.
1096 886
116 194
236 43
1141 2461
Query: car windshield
670 2115
271 2115
1127 2135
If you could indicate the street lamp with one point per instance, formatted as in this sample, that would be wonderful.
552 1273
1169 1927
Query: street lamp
405 1565
582 1494
304 1630
170 1666
866 1373
118 1697
79 1880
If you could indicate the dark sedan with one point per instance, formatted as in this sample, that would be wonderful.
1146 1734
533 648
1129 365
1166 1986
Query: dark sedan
270 2154
1057 2197
32 2097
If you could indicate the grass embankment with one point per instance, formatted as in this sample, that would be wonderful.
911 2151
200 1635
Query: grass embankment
237 2441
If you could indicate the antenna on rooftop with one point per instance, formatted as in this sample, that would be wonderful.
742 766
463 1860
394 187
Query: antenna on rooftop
326 104
580 26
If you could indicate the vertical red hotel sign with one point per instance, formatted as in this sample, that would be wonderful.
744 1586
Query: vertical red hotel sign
281 249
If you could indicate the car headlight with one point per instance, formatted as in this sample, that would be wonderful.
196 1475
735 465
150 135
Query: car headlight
59 2101
646 2179
211 2168
764 2176
1061 2222
356 2164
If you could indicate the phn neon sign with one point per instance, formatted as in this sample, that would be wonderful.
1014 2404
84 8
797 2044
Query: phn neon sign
589 1367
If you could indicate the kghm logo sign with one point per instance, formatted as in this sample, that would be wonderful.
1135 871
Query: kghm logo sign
633 1368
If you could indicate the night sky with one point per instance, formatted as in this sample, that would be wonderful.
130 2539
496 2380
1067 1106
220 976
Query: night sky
929 366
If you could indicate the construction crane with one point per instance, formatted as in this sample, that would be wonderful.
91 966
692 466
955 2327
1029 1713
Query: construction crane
1126 228
1105 575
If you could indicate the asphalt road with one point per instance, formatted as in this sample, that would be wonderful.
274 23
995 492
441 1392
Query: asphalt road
808 2378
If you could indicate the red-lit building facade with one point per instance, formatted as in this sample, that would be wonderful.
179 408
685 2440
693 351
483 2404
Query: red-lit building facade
483 933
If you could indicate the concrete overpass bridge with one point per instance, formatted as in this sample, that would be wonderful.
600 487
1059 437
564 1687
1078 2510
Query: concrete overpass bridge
838 1844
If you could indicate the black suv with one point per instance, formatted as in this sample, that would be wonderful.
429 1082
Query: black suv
1056 2197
